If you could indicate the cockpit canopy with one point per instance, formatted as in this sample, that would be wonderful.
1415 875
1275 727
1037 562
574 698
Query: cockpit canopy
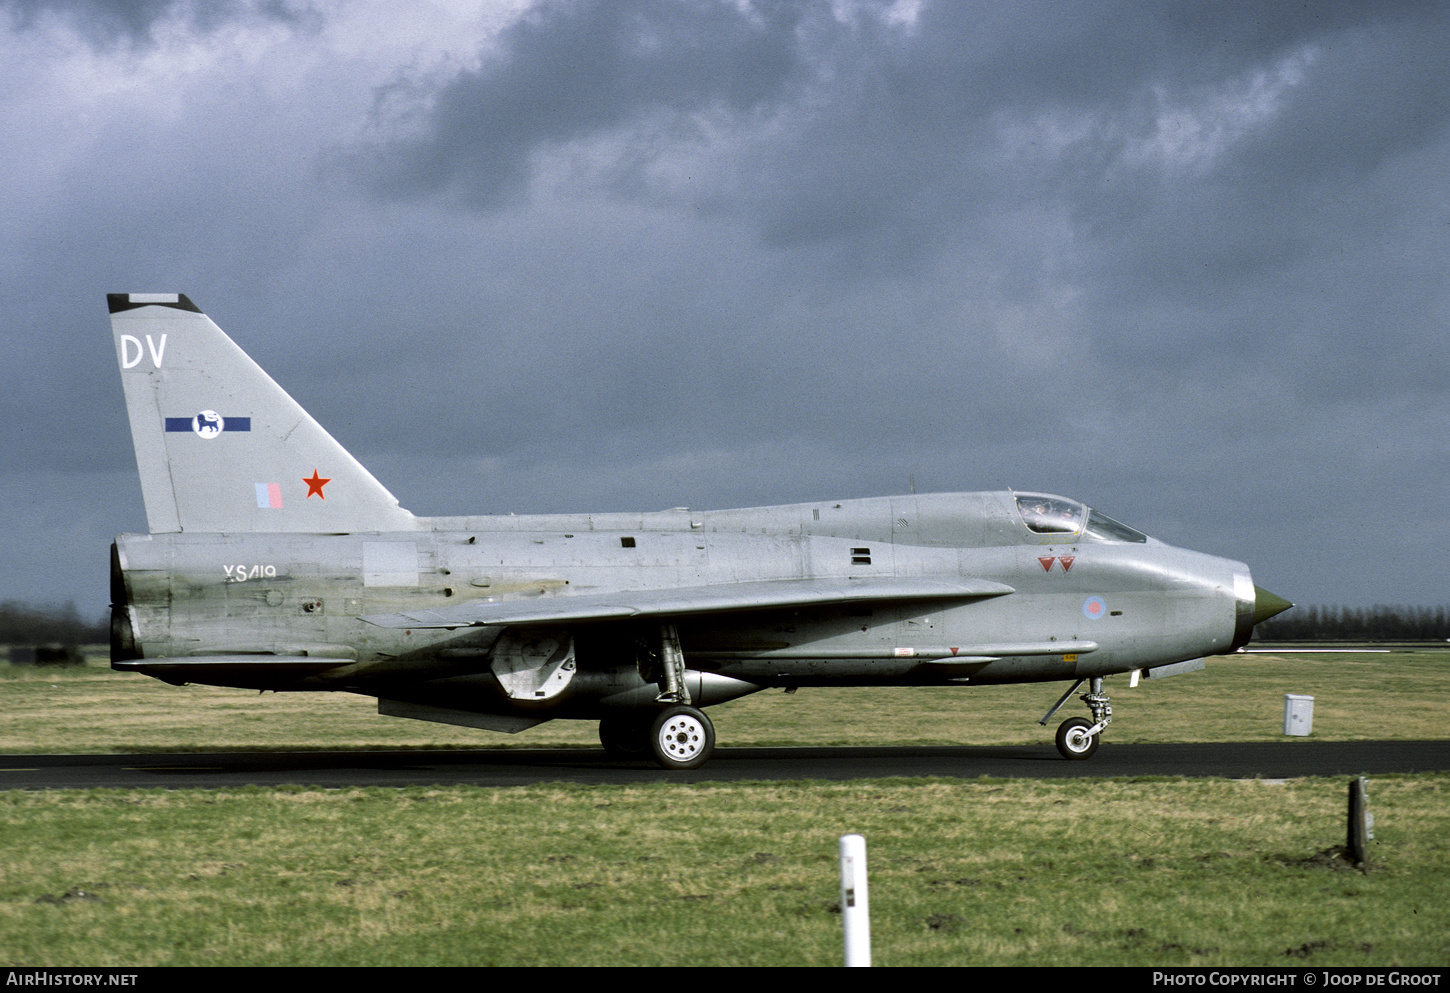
1044 514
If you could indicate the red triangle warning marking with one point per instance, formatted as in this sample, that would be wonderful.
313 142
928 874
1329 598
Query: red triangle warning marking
1047 562
1067 561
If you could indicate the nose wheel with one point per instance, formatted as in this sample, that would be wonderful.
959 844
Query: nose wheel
1075 740
682 738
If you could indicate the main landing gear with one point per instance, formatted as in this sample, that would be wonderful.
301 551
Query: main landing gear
1077 738
679 737
625 736
682 738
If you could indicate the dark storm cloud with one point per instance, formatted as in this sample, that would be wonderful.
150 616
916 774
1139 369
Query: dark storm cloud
881 137
101 22
1207 162
105 23
569 70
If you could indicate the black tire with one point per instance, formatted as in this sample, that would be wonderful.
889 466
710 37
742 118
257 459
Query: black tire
682 738
625 737
1072 743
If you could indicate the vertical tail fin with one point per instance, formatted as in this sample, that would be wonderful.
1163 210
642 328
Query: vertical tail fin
222 447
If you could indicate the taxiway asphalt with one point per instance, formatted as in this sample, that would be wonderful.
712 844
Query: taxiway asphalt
518 767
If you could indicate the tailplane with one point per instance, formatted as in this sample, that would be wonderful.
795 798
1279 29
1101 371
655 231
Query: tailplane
222 447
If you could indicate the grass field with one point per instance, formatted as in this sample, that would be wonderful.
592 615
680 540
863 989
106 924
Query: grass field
981 872
1241 698
963 872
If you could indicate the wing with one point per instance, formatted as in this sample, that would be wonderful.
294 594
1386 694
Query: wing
677 601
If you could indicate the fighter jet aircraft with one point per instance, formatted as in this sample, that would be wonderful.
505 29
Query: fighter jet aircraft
275 561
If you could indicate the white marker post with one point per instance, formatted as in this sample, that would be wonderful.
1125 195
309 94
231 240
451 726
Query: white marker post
855 908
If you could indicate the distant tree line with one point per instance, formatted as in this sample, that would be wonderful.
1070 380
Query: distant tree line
1377 623
23 624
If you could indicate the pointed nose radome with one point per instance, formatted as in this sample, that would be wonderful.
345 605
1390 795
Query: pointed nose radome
1268 604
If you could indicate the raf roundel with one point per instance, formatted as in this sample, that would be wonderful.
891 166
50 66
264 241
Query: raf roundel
1094 607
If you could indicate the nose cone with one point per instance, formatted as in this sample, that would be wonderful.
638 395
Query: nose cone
1267 604
1253 604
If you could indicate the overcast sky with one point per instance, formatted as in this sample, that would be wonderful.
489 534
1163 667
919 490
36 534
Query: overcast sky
1187 263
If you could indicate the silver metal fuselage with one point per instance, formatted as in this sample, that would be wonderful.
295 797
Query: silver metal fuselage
1075 605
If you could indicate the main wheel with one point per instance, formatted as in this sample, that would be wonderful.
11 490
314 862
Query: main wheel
682 738
1072 742
625 737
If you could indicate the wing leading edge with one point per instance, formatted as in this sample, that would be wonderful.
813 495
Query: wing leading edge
677 601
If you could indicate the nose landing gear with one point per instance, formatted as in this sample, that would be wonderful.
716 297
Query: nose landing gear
1077 738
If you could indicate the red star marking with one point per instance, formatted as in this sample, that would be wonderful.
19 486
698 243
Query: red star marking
315 485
